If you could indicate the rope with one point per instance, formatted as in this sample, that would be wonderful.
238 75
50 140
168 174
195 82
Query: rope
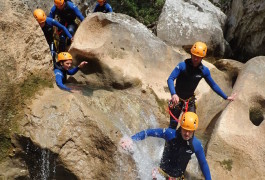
171 114
171 106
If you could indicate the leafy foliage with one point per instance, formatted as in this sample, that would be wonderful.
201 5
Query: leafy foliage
145 11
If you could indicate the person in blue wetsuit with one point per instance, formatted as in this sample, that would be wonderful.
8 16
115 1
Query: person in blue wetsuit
188 75
66 12
180 145
46 25
103 6
63 68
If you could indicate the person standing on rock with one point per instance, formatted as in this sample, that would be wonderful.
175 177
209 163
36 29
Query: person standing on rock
188 75
66 12
63 67
180 145
47 25
103 6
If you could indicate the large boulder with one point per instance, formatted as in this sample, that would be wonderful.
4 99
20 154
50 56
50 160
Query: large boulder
235 150
75 136
24 53
210 104
245 29
123 53
182 23
78 134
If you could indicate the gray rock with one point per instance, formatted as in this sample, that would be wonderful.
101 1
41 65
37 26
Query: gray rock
182 23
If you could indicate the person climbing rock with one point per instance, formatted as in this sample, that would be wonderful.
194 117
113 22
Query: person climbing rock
66 12
188 75
180 145
63 68
103 6
47 25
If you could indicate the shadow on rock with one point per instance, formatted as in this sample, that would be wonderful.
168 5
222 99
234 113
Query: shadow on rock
41 163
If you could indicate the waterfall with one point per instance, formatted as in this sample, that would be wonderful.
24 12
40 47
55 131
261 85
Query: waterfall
147 153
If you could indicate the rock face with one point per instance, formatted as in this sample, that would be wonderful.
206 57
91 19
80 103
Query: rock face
24 52
23 46
209 104
138 58
126 72
182 23
82 132
124 53
245 30
236 150
74 136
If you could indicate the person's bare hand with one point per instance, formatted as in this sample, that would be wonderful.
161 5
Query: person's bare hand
175 99
76 91
126 144
232 97
82 64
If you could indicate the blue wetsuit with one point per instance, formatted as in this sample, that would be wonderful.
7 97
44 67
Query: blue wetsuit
66 17
48 29
48 33
68 14
61 76
106 8
187 79
177 151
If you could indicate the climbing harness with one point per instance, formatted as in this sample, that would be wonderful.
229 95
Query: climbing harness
184 109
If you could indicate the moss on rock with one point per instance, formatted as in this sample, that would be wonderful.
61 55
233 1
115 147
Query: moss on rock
12 99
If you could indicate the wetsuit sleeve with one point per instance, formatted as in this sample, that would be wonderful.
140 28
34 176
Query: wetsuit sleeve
108 7
60 26
201 159
96 8
174 74
73 71
212 84
166 134
59 80
52 12
76 11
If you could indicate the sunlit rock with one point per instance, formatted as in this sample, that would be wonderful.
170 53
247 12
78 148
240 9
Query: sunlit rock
124 53
182 23
235 150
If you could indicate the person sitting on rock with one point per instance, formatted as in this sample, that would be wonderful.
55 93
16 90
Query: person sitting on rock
188 75
63 67
103 6
180 145
66 12
46 25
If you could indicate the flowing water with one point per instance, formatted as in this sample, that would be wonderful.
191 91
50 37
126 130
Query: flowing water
147 153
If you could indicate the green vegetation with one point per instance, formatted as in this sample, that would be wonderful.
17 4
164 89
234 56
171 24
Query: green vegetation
5 146
224 5
32 85
227 164
162 104
146 12
12 100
